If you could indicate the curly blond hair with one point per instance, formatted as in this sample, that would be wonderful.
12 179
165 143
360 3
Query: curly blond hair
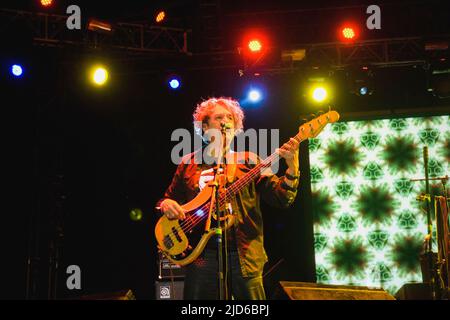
204 109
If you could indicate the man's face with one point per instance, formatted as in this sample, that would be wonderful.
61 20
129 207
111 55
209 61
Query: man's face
219 116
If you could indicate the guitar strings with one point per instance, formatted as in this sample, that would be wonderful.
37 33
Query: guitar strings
256 171
193 222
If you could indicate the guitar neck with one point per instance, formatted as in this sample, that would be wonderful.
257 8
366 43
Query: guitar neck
255 172
307 130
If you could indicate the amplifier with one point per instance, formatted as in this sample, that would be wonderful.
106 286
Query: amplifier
169 270
169 290
415 291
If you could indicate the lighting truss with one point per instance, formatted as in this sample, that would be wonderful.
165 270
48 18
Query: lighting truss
51 30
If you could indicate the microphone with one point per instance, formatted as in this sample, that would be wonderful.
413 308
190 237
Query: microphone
225 127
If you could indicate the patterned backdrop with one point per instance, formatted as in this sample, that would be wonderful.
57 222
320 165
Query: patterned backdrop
368 225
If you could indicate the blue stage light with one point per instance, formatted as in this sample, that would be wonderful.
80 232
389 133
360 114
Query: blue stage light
254 95
17 70
363 91
174 83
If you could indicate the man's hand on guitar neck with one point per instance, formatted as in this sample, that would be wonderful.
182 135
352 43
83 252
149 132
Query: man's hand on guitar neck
172 210
289 151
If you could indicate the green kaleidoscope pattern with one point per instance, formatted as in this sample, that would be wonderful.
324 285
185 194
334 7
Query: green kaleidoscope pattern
369 226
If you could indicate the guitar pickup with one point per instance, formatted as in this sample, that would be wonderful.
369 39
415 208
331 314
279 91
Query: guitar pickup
168 242
177 235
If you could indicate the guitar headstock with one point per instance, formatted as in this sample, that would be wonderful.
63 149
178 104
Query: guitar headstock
312 128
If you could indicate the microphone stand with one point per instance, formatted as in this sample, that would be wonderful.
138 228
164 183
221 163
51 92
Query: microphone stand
221 240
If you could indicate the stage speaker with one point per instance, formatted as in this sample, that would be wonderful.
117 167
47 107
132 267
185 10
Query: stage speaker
169 290
414 291
313 291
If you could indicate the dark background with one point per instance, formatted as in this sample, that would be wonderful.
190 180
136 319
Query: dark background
88 156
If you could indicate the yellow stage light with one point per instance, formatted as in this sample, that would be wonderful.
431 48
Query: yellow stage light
319 94
99 76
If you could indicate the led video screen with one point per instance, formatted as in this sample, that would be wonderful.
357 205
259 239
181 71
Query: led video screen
369 226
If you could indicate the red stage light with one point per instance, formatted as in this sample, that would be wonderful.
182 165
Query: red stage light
254 45
348 33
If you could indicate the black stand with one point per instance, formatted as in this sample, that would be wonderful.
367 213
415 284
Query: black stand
442 265
429 257
429 249
222 251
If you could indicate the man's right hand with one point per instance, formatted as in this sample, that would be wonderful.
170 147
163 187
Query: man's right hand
172 210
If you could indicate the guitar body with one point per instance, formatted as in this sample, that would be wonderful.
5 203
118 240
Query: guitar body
182 241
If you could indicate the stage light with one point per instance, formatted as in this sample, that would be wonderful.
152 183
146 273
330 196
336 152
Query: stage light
363 91
360 80
99 26
318 88
99 76
174 83
17 70
46 3
255 45
293 55
348 32
439 82
136 214
254 95
438 74
160 16
319 94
